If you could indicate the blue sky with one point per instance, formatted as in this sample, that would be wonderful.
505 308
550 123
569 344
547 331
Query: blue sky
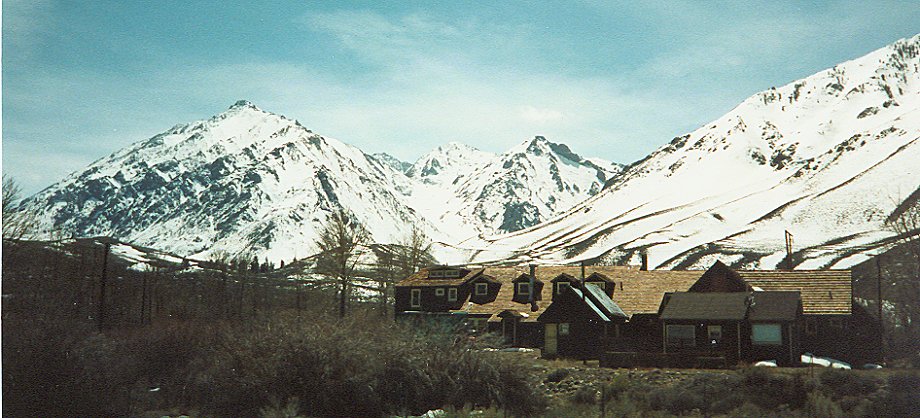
612 80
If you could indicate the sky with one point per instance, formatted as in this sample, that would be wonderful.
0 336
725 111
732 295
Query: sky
81 80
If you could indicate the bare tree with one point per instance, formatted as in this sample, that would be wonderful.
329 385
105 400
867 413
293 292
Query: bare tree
341 242
903 285
386 271
905 222
415 252
16 224
222 259
398 261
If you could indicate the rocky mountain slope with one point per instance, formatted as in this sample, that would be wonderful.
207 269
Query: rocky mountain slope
829 158
253 183
477 193
244 181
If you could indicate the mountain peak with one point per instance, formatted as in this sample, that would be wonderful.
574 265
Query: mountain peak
243 104
456 146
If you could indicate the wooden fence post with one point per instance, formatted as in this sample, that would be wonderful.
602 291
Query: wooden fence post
102 283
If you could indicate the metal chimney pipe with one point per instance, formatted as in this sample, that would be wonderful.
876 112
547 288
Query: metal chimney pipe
533 304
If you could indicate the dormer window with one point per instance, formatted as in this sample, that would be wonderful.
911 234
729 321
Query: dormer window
600 285
482 289
452 294
444 274
523 289
562 286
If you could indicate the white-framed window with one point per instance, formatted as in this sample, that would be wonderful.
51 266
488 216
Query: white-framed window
681 335
599 285
439 292
482 289
715 333
523 288
452 294
443 274
766 334
564 328
415 300
561 287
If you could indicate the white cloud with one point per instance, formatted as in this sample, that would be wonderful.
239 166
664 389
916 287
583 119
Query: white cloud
420 80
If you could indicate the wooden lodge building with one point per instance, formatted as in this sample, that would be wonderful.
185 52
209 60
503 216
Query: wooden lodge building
629 316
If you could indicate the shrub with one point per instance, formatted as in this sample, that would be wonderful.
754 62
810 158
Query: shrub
676 399
747 410
903 395
558 375
718 390
848 382
40 377
585 395
822 406
276 410
617 386
770 388
345 368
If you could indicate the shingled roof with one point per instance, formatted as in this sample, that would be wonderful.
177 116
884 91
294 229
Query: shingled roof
713 306
640 292
504 300
635 291
775 306
824 292
420 278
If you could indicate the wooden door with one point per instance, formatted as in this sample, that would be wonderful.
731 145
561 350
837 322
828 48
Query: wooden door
550 340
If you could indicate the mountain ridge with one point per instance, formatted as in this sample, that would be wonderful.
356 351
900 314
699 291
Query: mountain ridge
814 156
251 182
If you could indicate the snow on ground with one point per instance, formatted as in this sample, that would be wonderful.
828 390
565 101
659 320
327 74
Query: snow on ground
824 157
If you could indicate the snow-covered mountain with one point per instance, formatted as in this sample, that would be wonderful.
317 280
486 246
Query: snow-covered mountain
827 158
243 181
470 193
446 163
393 162
528 184
250 182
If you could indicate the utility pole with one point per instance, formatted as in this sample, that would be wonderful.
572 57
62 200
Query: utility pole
144 297
881 319
105 265
788 250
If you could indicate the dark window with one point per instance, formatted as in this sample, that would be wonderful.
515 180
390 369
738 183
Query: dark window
564 328
561 286
715 333
681 335
452 294
416 299
439 292
523 289
482 289
443 274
